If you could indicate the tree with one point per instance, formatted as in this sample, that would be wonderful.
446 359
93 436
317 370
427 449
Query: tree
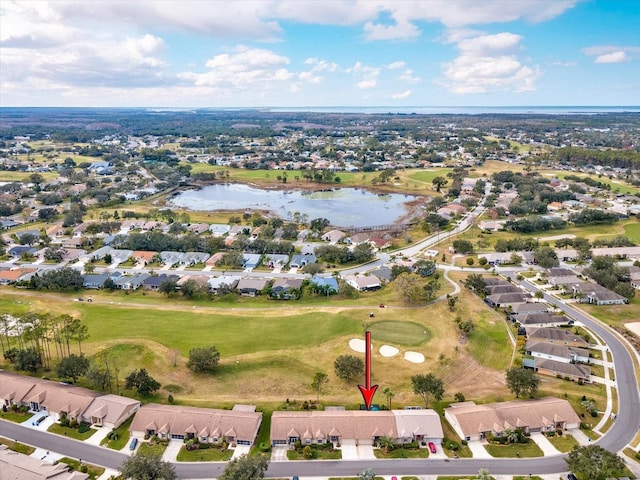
319 380
410 287
470 261
168 287
142 382
475 282
439 182
389 394
203 359
28 360
348 366
483 474
245 468
595 463
522 381
72 367
319 224
463 246
386 443
546 257
147 467
367 474
459 396
428 386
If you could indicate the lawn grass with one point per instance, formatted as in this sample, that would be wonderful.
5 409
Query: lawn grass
92 470
15 417
515 450
17 446
155 450
212 454
401 452
71 432
262 439
398 332
563 443
632 454
123 437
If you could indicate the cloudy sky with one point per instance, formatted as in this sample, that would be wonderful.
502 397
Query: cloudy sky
292 53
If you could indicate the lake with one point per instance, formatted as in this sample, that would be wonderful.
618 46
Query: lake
344 207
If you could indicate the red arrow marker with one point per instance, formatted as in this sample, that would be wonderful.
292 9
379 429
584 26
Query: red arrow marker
368 391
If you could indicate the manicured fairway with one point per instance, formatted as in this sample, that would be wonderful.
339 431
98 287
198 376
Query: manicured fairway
401 333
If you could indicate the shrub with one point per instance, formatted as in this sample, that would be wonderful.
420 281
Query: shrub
264 447
170 399
464 442
84 469
203 446
83 428
307 452
73 423
594 413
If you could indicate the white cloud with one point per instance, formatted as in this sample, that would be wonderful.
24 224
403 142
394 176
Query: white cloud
397 31
368 83
565 64
400 95
613 57
396 65
408 77
244 68
485 64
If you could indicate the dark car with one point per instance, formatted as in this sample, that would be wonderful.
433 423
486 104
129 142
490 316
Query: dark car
133 444
432 447
571 476
40 420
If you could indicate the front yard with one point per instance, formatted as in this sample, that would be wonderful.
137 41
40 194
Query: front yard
563 443
515 450
118 438
74 433
401 452
156 449
212 454
315 452
92 470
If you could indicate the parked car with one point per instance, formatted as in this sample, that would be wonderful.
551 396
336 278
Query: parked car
432 447
133 444
571 476
39 420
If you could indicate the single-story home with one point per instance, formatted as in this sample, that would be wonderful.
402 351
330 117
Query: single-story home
251 260
19 250
589 292
528 308
358 238
299 261
224 283
363 282
251 286
540 319
154 281
361 427
170 258
333 236
286 288
570 371
503 300
219 229
497 289
14 465
474 422
273 260
556 352
57 398
560 336
131 282
193 258
7 277
330 283
97 280
144 256
237 426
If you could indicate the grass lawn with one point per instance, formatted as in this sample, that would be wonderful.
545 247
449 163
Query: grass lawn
629 452
123 437
463 477
319 452
263 436
14 417
515 450
400 452
156 450
70 432
401 333
213 454
17 447
92 470
563 443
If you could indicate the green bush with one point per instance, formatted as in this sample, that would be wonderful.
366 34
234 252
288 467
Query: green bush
83 428
84 469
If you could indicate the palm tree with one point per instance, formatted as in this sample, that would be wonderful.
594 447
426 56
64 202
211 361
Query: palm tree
389 394
386 443
511 435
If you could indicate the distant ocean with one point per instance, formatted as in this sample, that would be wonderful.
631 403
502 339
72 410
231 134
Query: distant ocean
556 110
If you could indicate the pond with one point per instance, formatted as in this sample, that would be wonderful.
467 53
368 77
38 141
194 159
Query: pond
344 207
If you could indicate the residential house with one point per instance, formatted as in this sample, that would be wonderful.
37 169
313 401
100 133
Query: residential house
569 371
286 288
540 319
380 243
497 289
213 260
634 273
251 260
143 257
100 253
299 261
274 260
97 280
498 258
240 230
238 426
219 229
358 238
475 422
223 283
528 308
199 279
169 258
19 250
120 256
363 283
330 283
8 277
383 273
198 228
567 254
131 282
556 352
7 223
589 292
153 282
14 465
193 258
491 225
333 236
618 252
359 427
560 336
251 286
504 300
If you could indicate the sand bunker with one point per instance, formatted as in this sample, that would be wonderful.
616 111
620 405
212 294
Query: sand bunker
414 357
634 327
357 345
388 351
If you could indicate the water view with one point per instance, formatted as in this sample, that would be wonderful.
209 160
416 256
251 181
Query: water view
343 207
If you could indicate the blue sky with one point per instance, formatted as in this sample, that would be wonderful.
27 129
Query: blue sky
297 53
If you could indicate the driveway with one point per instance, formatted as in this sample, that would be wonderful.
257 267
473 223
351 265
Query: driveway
279 454
478 450
97 437
365 452
171 452
44 425
545 445
240 450
349 450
